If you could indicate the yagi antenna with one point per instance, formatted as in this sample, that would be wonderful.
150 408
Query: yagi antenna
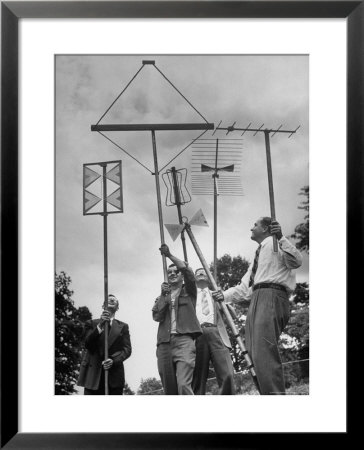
267 132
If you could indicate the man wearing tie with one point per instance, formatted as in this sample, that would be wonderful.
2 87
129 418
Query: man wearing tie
93 365
213 344
267 285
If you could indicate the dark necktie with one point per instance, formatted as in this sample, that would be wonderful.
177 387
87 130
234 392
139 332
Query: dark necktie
255 266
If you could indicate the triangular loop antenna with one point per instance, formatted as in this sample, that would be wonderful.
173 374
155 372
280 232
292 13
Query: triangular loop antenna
101 128
116 127
121 93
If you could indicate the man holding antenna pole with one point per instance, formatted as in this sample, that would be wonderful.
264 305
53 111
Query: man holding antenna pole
214 344
175 310
266 284
93 365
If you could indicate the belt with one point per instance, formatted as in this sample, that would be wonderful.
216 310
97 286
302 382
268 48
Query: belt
269 286
207 324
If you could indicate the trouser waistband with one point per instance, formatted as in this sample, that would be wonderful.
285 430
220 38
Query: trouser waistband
270 286
207 324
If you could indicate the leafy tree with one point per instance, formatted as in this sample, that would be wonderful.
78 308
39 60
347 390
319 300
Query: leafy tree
69 327
127 390
302 231
230 270
83 314
295 340
301 294
150 386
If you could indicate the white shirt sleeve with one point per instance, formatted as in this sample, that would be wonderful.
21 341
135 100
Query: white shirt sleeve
240 292
291 256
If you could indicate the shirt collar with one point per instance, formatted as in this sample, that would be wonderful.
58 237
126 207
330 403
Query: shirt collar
265 241
206 289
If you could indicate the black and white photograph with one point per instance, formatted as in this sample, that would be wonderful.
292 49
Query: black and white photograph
182 224
161 163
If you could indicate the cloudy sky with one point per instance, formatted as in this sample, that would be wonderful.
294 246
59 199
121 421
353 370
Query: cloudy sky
269 90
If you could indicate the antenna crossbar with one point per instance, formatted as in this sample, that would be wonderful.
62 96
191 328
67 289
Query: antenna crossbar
153 127
256 130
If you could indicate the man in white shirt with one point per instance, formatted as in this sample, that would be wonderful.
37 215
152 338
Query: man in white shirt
267 284
213 344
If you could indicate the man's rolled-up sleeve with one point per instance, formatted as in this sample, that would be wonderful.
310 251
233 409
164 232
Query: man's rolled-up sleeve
291 256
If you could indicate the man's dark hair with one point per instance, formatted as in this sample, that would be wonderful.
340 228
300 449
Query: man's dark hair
200 268
174 265
266 221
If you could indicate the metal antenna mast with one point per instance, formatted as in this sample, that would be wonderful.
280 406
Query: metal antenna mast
152 128
267 132
216 160
111 204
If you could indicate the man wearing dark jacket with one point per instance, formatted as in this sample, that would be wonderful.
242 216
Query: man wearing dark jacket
94 364
175 310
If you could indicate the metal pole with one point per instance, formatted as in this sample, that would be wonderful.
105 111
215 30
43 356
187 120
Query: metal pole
159 203
152 127
106 287
270 185
223 308
178 204
215 176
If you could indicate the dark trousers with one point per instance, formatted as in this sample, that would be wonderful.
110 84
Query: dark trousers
267 316
176 361
209 346
101 389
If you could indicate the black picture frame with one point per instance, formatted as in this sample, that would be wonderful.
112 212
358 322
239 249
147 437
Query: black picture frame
11 13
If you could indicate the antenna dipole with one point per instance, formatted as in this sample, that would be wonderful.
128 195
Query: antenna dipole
177 195
267 132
